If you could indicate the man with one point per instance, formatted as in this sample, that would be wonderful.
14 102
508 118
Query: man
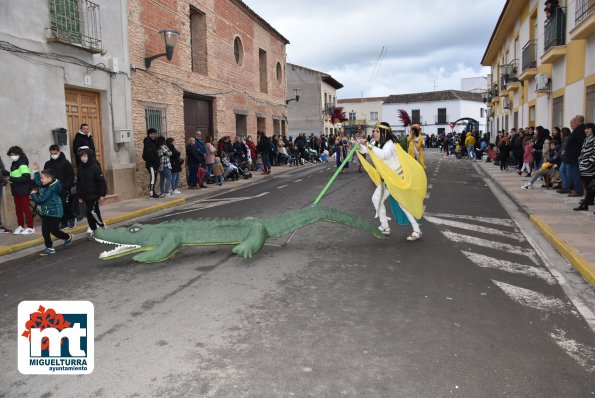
574 146
82 140
65 174
151 158
202 149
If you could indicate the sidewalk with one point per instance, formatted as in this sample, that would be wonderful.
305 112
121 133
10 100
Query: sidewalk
124 210
571 233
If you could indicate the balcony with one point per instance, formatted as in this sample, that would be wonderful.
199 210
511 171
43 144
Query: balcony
529 60
76 23
509 76
441 118
555 37
584 20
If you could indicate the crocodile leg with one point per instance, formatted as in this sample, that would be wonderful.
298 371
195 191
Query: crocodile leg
168 247
254 241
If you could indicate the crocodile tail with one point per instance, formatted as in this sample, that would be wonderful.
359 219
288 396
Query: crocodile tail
283 224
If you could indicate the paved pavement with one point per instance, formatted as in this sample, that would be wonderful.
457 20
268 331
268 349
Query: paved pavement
570 232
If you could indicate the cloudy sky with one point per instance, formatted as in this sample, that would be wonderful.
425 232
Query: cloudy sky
428 44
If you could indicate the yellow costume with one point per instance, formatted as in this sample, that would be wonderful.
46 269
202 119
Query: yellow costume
416 147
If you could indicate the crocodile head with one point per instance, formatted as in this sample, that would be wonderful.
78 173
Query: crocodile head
128 240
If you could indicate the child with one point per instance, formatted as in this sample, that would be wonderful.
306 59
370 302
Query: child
91 189
527 158
458 150
218 170
50 208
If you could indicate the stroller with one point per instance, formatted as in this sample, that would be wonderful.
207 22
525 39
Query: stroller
310 155
230 170
243 168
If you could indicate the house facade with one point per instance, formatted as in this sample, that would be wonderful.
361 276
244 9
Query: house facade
318 97
362 113
543 64
435 110
227 75
66 66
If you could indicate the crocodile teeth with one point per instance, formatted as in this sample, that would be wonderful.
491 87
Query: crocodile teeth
120 248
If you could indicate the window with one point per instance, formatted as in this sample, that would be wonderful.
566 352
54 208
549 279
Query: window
76 22
262 68
279 72
374 116
441 119
558 111
198 41
415 117
590 101
506 122
531 116
238 51
516 120
241 125
352 116
155 118
481 112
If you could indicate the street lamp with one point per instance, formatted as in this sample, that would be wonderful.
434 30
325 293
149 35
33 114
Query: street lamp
170 38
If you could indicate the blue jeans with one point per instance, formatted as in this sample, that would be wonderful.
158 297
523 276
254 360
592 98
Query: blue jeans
209 170
175 180
471 152
573 176
266 162
165 180
192 175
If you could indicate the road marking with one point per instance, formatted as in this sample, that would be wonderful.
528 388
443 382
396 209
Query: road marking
489 244
427 196
282 186
509 266
581 353
533 299
430 186
209 203
477 228
298 180
499 221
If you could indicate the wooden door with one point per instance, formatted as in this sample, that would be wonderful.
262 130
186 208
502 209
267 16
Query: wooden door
82 106
197 116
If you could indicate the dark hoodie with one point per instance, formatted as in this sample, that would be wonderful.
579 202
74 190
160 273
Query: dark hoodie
20 177
90 183
150 153
81 140
63 170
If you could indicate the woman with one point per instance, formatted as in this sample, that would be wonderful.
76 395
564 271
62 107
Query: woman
565 133
341 149
210 156
20 186
415 144
264 147
176 165
193 158
586 165
91 188
164 167
251 152
383 145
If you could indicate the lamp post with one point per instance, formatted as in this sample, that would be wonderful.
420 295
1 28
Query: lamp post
170 38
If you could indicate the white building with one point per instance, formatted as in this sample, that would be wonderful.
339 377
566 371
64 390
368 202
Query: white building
474 84
362 113
435 110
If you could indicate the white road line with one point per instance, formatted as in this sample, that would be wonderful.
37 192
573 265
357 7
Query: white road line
282 186
581 353
490 244
427 196
430 186
509 266
533 299
211 202
499 221
477 228
298 180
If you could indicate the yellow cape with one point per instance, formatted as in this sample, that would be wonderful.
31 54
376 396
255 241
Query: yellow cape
408 189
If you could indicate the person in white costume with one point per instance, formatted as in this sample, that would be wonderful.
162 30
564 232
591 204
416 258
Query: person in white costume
383 145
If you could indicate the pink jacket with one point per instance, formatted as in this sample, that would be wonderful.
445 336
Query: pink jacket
528 155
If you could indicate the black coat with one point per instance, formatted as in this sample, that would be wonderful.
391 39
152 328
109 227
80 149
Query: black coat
574 145
21 183
81 140
193 156
175 160
90 184
150 153
64 171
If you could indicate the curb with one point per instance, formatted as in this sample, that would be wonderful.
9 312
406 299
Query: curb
570 253
576 260
114 220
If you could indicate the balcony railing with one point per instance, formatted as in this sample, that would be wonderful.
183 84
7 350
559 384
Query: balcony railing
441 118
530 55
508 72
584 8
555 30
76 22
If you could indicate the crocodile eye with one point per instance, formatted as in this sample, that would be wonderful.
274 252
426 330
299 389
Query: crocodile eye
134 229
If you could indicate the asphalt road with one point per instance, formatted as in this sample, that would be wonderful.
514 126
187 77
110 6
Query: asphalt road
470 310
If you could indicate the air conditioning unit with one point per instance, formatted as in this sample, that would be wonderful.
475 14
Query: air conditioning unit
542 83
506 103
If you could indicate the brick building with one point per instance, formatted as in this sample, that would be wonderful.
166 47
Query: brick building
226 77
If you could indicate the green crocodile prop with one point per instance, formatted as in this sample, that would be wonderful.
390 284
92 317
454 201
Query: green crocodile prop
158 242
